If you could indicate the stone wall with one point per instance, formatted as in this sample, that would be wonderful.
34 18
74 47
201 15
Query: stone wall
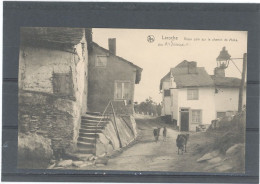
44 115
109 141
37 65
34 151
41 110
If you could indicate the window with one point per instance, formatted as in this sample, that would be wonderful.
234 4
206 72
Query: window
62 84
101 61
122 90
196 116
221 114
192 94
167 92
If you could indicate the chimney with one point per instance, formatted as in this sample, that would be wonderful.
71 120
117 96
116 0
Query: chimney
219 72
192 67
88 35
112 45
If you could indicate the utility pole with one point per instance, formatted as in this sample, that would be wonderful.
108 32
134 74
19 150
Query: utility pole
242 85
223 61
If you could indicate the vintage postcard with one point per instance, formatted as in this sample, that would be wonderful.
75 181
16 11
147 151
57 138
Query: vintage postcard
132 99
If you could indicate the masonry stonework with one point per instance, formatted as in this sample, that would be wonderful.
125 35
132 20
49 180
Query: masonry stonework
42 111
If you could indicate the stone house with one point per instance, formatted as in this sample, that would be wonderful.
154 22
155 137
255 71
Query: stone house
111 78
53 84
109 123
191 97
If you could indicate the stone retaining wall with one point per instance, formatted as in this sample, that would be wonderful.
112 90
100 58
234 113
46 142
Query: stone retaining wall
109 141
50 117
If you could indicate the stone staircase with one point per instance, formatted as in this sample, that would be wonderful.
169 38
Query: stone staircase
88 132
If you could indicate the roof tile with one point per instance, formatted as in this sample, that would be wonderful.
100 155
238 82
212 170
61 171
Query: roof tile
185 79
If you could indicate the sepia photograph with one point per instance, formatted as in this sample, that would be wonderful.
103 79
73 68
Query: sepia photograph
116 99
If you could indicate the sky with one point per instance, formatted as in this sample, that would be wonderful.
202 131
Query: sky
170 47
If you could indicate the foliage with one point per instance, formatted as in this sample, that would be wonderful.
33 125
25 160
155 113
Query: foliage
227 141
148 106
229 133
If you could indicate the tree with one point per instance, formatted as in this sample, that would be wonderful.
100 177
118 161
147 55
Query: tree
159 109
148 106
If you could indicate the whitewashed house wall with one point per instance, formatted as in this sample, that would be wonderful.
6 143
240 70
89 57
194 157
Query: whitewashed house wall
205 103
215 94
175 104
228 97
166 107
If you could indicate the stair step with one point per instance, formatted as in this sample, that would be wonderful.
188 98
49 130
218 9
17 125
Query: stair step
90 131
94 121
93 124
86 139
92 117
86 126
91 127
85 145
89 135
94 113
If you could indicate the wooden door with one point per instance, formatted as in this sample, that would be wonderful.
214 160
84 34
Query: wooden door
184 120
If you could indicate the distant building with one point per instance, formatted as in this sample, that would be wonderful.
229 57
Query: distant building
190 96
111 78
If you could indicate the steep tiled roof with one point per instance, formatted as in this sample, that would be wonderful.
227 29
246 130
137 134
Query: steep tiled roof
69 36
199 78
185 63
184 79
226 81
138 69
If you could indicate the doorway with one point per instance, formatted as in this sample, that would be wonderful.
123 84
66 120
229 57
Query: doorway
184 125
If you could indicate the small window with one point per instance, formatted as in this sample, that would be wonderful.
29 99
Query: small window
196 116
101 61
192 94
122 90
167 92
62 84
221 114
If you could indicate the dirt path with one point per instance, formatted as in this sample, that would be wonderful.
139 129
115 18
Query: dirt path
147 155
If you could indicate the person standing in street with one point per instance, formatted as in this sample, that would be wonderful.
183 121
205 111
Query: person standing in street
164 133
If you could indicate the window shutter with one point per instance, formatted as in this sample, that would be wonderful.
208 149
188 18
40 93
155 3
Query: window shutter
63 84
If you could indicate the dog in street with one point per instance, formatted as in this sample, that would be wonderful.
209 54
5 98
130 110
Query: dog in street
156 134
181 142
